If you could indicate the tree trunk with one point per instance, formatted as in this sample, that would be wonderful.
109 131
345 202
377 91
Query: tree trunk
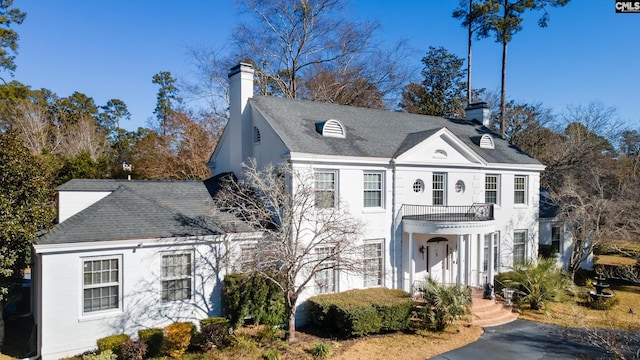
503 91
291 325
470 33
1 324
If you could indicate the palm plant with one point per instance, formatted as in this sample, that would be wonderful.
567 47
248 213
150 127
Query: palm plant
445 304
539 283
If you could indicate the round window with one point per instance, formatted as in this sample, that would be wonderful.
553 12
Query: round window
460 186
418 186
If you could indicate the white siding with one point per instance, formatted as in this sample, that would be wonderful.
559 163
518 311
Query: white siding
65 331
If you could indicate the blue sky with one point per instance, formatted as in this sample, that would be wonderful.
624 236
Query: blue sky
111 49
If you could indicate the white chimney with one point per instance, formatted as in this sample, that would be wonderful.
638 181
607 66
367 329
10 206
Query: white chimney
478 111
239 125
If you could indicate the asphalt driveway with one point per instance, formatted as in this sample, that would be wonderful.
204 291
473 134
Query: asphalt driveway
525 340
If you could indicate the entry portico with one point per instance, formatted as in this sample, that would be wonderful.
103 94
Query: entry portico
449 244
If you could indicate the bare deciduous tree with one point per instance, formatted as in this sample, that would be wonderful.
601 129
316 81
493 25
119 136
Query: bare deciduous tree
591 213
301 240
82 135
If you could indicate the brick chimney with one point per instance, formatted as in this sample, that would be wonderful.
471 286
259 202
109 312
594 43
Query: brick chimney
478 111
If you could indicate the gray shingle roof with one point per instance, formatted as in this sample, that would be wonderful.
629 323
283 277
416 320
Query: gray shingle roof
141 210
372 133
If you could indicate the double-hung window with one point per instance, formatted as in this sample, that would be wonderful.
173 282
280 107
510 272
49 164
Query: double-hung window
556 237
325 279
325 189
519 246
101 284
439 181
372 189
176 277
373 263
491 185
520 189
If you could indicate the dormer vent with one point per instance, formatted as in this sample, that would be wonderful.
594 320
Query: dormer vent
331 128
486 142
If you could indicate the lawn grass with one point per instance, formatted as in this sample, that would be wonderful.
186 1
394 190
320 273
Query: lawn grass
625 315
615 260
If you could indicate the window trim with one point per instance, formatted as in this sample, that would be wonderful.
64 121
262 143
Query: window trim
333 272
379 190
164 279
334 189
380 270
558 240
523 244
496 190
443 191
100 285
486 251
523 190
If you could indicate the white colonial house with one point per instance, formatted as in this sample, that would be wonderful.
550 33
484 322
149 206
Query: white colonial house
441 198
127 255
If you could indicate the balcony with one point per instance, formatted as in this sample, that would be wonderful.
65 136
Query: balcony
444 213
451 220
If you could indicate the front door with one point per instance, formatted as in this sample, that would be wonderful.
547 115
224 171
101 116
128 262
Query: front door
435 261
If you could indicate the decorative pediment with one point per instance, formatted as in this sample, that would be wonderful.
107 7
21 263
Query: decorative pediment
439 147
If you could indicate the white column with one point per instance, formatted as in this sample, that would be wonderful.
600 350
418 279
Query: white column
467 259
459 249
479 255
491 257
412 261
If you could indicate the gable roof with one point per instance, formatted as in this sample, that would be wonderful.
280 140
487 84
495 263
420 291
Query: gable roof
372 133
141 210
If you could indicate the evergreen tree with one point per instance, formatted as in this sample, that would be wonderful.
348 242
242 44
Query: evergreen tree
441 93
8 36
167 99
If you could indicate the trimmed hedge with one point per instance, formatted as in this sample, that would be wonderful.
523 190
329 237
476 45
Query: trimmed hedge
113 343
214 333
153 338
177 337
359 312
252 296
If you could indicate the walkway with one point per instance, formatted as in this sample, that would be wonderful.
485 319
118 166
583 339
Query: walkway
524 340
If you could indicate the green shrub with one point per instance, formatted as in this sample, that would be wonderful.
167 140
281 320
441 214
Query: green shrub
153 338
252 296
113 343
598 303
214 332
359 312
177 337
321 350
445 304
271 354
103 355
133 349
539 283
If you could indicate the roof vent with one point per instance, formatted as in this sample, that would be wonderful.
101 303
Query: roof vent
486 142
331 128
